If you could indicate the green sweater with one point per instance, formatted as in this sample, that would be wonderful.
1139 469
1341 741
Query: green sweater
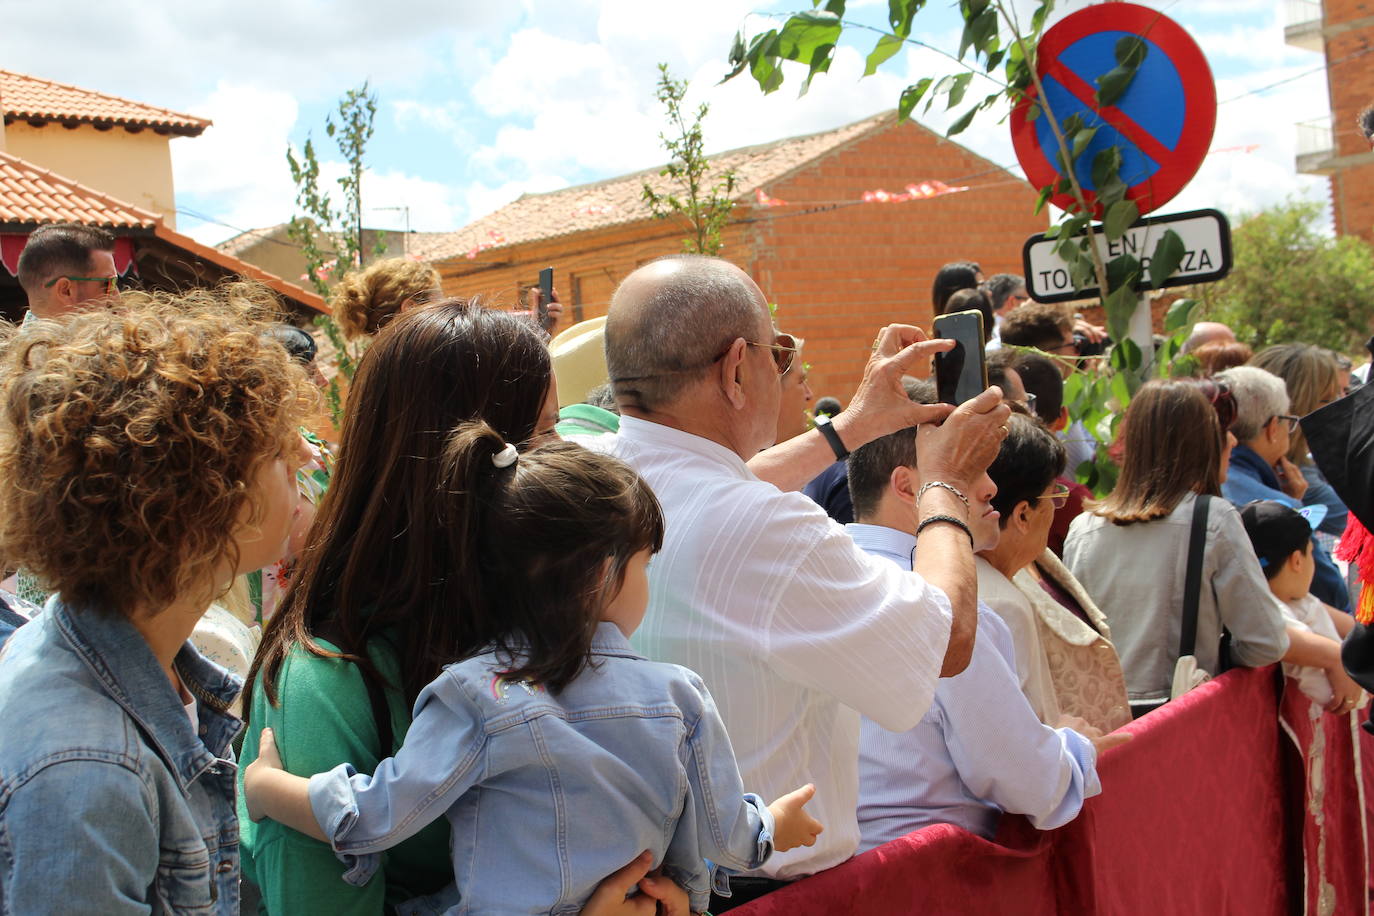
323 719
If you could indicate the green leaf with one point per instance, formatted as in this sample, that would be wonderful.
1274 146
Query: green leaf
804 34
1130 51
900 13
1033 111
911 96
1112 85
738 58
994 59
957 90
1081 139
985 30
1119 218
1168 254
964 121
1180 315
1106 165
1131 350
1121 391
887 46
1123 271
1045 194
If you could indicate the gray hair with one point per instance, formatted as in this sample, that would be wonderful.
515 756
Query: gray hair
1259 395
667 336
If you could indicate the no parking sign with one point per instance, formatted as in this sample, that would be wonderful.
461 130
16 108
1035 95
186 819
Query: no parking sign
1162 124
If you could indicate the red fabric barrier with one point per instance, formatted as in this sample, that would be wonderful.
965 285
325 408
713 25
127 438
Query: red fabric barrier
1196 816
1325 751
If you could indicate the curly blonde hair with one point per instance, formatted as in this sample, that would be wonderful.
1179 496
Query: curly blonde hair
366 300
128 437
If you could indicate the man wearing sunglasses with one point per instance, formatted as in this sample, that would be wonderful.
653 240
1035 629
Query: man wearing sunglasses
66 267
1259 468
794 628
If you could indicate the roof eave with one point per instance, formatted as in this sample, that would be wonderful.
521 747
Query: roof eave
132 125
291 291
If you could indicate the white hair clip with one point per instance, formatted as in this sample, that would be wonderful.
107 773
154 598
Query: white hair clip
506 457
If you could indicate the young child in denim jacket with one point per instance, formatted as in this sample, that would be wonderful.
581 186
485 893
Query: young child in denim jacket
558 753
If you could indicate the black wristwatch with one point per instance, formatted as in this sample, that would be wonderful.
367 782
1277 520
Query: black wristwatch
828 431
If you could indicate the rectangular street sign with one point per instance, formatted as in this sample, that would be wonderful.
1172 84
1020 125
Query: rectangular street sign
1206 237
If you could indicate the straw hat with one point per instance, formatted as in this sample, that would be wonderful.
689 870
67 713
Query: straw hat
579 360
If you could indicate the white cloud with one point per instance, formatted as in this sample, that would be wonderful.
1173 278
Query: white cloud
237 169
150 49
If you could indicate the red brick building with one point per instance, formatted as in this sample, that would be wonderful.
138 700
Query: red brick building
1342 30
837 266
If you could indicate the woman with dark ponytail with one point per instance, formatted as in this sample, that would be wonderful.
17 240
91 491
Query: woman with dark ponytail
555 724
377 605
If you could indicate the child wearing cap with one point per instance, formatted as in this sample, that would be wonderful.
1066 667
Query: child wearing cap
1282 538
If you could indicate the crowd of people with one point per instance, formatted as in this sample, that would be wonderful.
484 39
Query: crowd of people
608 623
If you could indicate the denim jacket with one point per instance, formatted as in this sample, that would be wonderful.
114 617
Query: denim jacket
110 802
547 795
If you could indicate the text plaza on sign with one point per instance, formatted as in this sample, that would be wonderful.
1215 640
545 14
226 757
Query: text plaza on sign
1206 238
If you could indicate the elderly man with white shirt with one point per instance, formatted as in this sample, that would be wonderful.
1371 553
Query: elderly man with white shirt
980 749
794 628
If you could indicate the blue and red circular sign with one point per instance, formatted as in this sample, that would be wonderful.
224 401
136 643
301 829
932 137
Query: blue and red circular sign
1162 124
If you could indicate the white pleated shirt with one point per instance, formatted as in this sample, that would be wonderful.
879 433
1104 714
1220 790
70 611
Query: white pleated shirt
794 629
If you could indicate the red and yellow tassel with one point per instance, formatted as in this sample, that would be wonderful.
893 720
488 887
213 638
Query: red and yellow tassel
1357 549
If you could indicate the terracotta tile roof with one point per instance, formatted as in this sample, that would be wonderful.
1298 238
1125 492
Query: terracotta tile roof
237 245
617 201
27 98
31 195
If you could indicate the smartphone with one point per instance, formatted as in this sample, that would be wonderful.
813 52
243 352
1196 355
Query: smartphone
961 373
545 293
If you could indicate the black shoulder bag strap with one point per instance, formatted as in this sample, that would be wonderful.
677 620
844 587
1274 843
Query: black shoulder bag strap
1192 580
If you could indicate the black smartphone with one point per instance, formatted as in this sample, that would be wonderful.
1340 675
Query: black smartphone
961 373
545 293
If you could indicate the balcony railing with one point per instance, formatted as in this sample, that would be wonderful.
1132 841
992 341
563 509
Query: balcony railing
1303 24
1316 145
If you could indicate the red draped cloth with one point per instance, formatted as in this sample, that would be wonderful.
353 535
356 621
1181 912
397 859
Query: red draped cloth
1203 812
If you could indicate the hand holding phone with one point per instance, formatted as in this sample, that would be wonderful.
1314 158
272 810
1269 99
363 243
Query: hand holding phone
961 374
545 295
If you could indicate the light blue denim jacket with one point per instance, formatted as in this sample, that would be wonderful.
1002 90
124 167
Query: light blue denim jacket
110 802
547 795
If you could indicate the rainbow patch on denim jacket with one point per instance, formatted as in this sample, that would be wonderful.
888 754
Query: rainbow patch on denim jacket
501 685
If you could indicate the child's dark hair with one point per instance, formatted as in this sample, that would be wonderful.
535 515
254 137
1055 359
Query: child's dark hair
536 535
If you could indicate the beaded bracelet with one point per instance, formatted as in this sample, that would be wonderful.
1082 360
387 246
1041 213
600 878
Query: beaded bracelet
944 486
948 520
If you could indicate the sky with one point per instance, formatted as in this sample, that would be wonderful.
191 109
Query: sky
479 102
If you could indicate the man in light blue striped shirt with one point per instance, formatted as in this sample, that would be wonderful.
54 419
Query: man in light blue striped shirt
979 750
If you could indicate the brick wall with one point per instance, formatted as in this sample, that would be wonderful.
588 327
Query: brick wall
1349 25
838 275
838 269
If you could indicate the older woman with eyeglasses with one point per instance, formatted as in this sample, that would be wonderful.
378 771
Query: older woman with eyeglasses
1064 655
1260 467
1130 551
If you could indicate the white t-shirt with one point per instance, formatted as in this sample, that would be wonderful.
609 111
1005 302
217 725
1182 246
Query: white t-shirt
1310 614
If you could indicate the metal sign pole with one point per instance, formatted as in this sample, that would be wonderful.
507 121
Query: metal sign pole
1141 330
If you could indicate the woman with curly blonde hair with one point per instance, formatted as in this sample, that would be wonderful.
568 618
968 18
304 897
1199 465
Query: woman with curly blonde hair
148 454
367 299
